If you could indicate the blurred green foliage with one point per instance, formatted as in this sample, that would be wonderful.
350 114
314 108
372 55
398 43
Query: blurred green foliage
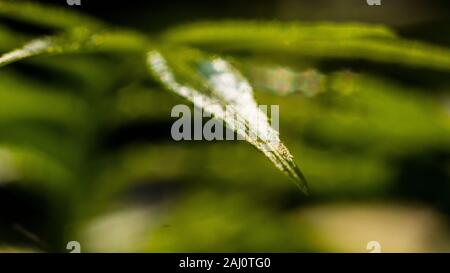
86 133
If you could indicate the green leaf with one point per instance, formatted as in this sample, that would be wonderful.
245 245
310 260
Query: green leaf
78 40
45 15
282 81
30 165
228 97
9 39
374 43
212 32
25 100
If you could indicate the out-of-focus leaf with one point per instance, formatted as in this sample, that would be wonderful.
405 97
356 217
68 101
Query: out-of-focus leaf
64 146
23 100
138 164
234 223
18 249
228 97
285 81
29 165
78 40
138 102
358 41
83 73
9 39
45 15
214 32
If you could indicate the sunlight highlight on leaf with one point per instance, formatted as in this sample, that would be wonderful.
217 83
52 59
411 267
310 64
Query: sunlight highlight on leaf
77 40
33 48
229 90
